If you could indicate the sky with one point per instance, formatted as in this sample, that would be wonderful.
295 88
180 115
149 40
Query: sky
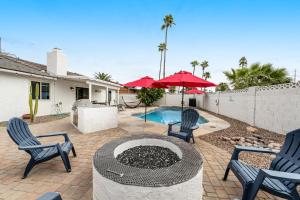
120 37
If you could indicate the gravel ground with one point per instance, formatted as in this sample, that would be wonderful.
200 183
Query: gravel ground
238 128
149 157
42 119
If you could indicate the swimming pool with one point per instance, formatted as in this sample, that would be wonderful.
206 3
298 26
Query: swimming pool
166 115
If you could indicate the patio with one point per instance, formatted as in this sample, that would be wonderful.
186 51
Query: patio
51 176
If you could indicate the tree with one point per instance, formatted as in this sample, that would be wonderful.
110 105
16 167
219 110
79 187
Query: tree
222 87
172 89
168 22
102 76
149 95
257 75
204 65
194 64
243 62
207 75
161 49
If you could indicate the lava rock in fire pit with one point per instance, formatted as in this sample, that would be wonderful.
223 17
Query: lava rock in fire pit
148 157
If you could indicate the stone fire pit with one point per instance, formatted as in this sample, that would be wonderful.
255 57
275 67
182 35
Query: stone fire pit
177 177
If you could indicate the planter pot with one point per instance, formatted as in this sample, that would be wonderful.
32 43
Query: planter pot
26 116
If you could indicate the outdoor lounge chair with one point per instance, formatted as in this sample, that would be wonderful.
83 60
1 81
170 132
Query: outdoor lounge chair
50 196
188 125
19 132
281 179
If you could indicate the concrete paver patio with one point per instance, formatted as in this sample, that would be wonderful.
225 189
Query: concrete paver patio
51 176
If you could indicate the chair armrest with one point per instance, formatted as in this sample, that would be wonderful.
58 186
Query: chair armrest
283 176
171 124
195 127
42 146
238 149
65 134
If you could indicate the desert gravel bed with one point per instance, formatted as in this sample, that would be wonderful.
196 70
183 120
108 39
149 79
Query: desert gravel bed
238 129
42 119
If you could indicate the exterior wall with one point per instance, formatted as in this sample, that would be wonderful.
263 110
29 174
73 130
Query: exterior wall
275 108
13 96
14 90
278 107
64 94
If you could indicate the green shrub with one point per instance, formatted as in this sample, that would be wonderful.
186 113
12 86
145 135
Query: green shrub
149 96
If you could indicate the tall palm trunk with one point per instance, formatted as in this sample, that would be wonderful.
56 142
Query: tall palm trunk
194 70
161 54
165 53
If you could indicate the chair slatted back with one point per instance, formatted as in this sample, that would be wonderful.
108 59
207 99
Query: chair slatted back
189 119
19 132
288 159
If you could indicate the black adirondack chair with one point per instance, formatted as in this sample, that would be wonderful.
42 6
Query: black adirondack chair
281 179
188 122
19 132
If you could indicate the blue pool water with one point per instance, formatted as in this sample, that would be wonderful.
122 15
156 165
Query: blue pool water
166 115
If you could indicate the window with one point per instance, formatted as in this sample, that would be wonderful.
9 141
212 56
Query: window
44 92
82 93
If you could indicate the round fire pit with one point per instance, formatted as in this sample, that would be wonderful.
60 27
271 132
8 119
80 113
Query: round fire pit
147 167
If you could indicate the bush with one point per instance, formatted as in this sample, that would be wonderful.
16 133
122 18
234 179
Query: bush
149 96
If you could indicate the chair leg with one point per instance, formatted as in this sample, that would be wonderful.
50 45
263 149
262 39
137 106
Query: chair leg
74 152
65 158
193 138
226 173
245 194
29 167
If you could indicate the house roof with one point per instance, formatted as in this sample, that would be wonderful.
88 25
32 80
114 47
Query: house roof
13 63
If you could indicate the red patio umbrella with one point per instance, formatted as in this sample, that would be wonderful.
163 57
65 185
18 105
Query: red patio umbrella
194 91
145 82
185 79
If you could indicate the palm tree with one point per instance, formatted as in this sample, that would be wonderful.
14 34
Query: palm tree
161 49
243 62
207 75
168 22
102 76
222 87
194 64
257 75
204 65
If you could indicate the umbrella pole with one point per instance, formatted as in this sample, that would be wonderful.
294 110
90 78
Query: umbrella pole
145 113
182 99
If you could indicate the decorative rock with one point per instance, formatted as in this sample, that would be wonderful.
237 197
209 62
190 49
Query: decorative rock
149 157
251 129
236 138
248 144
252 138
257 136
225 138
232 142
248 140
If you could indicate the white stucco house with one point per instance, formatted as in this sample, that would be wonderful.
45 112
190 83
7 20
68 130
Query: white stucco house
59 88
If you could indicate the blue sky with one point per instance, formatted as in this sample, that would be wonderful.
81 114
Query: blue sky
121 37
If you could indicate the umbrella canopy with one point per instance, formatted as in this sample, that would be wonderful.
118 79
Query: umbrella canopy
194 91
145 82
185 79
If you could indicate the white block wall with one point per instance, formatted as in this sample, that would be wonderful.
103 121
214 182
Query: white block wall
275 108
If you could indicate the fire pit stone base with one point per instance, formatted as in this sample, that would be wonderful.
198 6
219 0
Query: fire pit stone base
114 180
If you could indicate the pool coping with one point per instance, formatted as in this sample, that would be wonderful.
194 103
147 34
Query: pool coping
213 124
